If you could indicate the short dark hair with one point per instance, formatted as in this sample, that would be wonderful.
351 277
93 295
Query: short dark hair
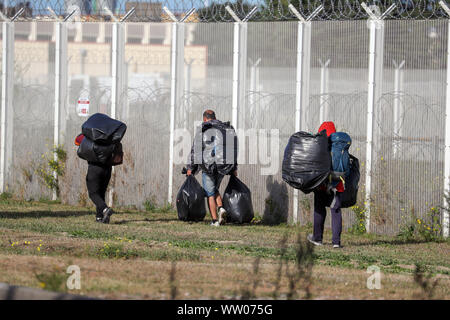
209 114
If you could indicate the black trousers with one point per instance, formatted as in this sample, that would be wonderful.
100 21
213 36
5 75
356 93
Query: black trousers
321 201
97 180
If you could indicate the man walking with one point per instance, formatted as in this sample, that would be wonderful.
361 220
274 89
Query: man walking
215 151
101 157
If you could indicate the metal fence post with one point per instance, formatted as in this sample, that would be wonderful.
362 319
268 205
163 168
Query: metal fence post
176 82
235 94
239 66
302 79
117 65
117 75
7 102
7 116
59 125
376 41
446 204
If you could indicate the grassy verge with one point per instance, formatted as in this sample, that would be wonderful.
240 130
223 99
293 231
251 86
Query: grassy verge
133 256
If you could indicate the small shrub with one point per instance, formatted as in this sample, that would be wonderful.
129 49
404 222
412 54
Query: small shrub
5 196
426 229
257 218
50 166
407 232
151 206
359 226
429 229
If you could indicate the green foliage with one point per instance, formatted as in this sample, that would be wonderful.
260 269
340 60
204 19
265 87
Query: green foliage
426 229
5 196
52 167
430 228
151 206
52 281
116 251
257 218
359 226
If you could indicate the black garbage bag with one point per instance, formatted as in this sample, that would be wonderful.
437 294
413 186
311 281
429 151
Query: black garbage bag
191 201
94 152
104 130
237 201
307 161
349 196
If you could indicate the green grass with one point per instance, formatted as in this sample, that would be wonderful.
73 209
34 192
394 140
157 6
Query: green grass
69 232
250 240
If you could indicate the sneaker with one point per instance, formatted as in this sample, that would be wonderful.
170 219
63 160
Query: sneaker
310 239
215 224
98 218
222 216
107 212
337 246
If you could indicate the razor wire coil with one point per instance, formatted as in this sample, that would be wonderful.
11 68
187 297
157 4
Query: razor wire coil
215 11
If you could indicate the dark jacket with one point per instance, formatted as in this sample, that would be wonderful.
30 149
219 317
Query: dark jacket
103 156
214 150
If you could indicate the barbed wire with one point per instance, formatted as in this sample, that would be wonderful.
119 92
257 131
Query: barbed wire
215 10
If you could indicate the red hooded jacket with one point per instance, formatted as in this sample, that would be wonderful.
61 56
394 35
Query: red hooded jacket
329 127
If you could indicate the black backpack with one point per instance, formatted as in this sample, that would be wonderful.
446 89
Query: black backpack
219 147
350 194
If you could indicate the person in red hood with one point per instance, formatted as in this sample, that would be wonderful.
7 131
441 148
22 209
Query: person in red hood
323 197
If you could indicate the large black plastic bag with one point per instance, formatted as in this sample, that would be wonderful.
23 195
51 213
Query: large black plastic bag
237 201
94 152
103 130
307 161
191 201
349 196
